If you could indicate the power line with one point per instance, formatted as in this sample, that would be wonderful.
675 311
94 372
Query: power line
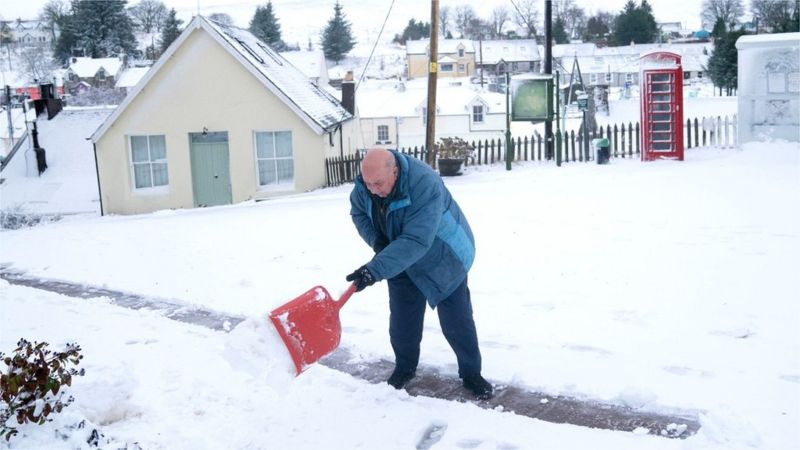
378 39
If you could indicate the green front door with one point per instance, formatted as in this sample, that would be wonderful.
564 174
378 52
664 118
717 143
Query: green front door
211 179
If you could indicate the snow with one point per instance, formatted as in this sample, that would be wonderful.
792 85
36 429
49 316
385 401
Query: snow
654 285
88 67
662 286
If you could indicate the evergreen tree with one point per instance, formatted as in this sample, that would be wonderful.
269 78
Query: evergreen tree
103 28
67 39
723 65
559 33
414 31
719 29
265 27
635 24
170 30
337 39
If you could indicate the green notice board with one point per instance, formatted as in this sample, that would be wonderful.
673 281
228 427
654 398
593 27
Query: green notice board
531 99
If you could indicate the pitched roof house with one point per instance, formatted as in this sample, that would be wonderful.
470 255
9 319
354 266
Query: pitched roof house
220 118
96 72
456 58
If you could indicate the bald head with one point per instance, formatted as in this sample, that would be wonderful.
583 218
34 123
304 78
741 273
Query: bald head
379 170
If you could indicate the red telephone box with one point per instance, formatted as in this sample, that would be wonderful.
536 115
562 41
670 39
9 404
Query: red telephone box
661 98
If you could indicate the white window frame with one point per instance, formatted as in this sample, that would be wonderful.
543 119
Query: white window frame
629 78
478 111
460 52
608 77
462 68
447 67
383 129
278 186
152 189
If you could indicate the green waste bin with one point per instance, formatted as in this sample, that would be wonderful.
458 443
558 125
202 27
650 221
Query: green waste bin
602 150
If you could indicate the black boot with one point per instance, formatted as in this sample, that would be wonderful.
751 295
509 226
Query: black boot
399 378
479 386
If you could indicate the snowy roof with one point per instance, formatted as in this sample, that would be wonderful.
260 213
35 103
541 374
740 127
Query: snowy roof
443 46
768 40
88 67
311 63
383 99
317 108
131 76
507 50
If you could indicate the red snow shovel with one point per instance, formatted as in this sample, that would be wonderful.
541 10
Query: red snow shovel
309 325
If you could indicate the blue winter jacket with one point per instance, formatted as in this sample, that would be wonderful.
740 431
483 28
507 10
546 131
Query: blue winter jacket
429 237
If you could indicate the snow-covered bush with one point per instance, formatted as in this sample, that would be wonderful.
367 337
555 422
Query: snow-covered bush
16 218
31 385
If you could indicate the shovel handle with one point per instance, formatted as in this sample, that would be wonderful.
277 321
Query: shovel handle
346 296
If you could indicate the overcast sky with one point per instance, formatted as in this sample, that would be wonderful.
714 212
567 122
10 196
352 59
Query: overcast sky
300 18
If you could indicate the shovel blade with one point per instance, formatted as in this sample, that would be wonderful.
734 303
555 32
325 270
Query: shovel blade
309 326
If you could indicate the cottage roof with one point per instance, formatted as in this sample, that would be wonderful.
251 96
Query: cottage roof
88 67
386 100
317 108
131 76
443 46
508 50
311 63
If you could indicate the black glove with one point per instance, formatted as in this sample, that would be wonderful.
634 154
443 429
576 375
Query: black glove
362 278
380 243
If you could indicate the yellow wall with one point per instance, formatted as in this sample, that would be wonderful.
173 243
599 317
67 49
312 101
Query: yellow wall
202 85
418 65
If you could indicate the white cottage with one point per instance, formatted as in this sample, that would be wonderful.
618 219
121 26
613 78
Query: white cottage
221 118
769 87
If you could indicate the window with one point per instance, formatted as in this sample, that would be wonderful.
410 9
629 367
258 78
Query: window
101 75
477 113
462 68
274 158
149 161
460 52
593 78
608 78
447 67
629 78
383 133
687 75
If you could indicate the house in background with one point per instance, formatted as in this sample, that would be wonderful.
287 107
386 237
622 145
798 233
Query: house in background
769 87
312 63
129 78
95 72
27 32
456 58
508 56
221 118
393 114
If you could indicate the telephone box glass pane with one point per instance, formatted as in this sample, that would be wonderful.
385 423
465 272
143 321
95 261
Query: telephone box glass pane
658 137
661 107
662 98
661 146
661 77
662 117
662 88
664 126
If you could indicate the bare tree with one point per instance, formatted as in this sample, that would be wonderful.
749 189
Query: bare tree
560 8
527 15
727 10
773 14
445 16
498 20
149 15
35 65
464 16
575 21
53 14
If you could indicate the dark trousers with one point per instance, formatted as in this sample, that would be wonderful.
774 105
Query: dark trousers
407 305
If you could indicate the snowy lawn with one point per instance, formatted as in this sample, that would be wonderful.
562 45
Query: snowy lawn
666 285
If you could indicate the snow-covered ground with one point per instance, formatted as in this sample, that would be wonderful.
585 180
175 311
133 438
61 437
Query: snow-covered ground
655 285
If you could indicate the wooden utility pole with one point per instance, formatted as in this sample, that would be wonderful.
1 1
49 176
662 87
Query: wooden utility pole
548 69
433 70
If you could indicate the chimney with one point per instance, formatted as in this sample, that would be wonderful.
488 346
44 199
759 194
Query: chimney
349 93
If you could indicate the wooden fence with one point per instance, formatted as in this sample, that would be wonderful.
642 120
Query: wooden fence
623 143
